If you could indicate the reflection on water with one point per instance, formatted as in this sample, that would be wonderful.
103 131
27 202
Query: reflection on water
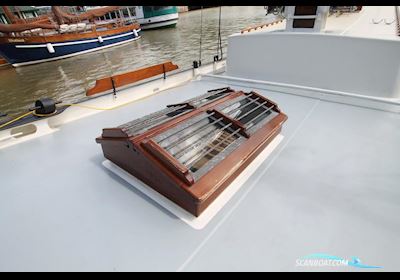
68 79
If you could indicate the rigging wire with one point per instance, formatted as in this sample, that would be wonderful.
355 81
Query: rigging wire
217 57
197 63
219 31
201 33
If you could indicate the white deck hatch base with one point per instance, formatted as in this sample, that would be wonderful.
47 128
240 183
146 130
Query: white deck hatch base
201 222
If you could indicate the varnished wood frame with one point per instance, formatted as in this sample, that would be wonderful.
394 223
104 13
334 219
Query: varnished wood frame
59 38
146 160
106 84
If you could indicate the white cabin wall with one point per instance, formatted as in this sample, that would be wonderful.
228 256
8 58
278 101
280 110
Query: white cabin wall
355 65
139 12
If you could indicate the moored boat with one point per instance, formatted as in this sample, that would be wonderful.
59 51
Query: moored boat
32 43
151 17
324 197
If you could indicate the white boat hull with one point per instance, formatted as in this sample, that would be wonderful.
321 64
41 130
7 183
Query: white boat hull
158 21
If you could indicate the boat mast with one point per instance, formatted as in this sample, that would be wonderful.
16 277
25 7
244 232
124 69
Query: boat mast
57 15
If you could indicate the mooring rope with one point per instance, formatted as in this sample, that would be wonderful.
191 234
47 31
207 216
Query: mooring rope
16 119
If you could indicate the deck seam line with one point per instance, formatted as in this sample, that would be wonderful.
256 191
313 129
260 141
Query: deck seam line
220 223
354 23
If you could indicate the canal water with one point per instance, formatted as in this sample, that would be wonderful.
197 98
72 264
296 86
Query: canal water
68 79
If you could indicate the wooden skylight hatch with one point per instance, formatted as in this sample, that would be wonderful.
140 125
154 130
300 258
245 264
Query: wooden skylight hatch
186 151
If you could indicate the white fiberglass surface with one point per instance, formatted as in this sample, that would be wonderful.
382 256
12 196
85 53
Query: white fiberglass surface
331 186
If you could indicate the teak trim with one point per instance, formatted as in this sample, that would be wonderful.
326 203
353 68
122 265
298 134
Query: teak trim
169 161
226 119
269 102
144 158
58 38
120 80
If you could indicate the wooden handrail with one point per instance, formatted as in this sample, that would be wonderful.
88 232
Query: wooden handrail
116 81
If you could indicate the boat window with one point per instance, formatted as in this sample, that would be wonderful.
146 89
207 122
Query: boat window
29 14
203 141
209 96
251 110
158 8
303 23
125 13
172 111
305 10
197 141
133 11
146 123
3 19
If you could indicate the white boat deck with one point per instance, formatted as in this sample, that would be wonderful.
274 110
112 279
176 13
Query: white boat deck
332 186
371 21
376 22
